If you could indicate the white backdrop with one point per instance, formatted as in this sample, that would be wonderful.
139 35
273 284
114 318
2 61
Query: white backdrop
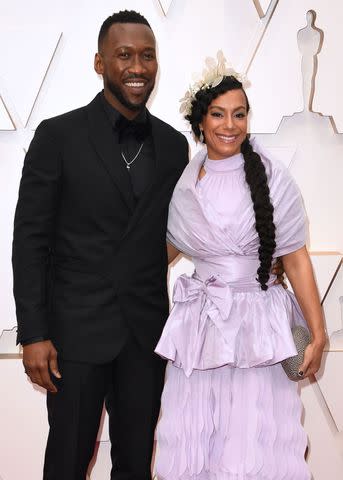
295 67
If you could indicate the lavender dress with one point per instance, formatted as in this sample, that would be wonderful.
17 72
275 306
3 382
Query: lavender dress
229 412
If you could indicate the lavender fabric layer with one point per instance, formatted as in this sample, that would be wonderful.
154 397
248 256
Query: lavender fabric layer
228 410
213 324
220 314
230 424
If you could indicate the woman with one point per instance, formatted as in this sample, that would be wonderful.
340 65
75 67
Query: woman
229 412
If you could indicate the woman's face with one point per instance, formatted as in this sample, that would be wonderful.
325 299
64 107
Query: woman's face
225 125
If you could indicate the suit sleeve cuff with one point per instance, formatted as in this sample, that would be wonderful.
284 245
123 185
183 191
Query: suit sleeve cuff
29 341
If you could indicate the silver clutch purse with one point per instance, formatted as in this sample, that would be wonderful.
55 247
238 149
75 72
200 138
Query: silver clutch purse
302 338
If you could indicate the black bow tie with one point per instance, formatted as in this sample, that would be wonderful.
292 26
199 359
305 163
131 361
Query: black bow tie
127 128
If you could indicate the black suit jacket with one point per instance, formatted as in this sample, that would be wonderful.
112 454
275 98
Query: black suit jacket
86 259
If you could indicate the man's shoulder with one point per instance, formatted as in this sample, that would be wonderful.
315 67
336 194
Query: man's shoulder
167 128
70 118
64 119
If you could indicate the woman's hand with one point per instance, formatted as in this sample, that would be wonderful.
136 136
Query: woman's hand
298 268
279 271
312 358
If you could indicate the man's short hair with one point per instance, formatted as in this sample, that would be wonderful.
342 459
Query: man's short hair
124 16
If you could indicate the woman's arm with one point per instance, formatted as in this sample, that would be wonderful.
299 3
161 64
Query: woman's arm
172 252
298 268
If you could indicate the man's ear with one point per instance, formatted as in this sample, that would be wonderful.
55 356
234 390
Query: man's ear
98 64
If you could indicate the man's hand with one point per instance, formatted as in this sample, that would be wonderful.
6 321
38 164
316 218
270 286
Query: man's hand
39 360
278 270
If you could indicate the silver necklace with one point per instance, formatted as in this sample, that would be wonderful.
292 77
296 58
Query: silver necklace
128 164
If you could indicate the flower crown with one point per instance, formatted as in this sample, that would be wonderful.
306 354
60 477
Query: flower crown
212 76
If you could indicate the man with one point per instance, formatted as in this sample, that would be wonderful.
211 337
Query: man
90 261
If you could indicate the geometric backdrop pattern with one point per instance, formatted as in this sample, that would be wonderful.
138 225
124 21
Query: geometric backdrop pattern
290 51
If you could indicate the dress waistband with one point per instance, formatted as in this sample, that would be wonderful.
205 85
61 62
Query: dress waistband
238 272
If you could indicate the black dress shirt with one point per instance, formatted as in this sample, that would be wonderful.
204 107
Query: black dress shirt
131 135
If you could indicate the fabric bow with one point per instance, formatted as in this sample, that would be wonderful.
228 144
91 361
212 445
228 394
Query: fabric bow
214 289
140 130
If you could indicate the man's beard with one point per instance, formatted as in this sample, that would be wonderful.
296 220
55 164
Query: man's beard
134 107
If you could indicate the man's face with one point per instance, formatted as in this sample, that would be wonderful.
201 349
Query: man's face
128 65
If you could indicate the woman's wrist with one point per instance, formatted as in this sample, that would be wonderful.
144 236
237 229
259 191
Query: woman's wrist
319 338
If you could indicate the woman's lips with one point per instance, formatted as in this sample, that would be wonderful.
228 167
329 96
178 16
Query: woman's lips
227 138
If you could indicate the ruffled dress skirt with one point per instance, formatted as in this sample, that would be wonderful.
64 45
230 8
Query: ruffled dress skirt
230 424
228 410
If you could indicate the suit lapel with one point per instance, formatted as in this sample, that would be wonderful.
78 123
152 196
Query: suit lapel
102 138
162 153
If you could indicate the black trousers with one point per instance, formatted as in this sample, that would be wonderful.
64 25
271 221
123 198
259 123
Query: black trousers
131 386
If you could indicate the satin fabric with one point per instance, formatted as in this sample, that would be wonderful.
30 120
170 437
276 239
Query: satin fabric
228 410
213 221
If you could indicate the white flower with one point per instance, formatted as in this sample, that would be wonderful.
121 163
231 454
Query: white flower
212 75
